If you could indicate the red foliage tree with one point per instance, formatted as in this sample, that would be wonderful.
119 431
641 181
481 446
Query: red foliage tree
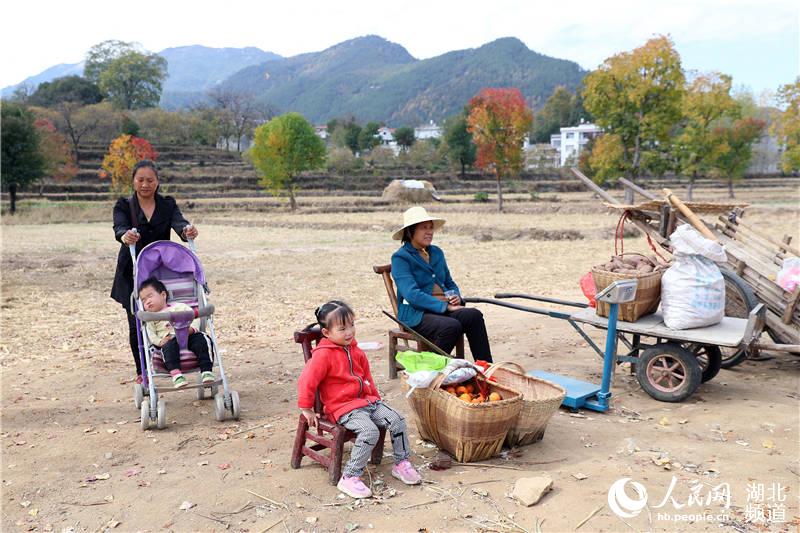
59 161
499 119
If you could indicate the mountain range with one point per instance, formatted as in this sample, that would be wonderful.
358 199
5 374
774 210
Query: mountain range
368 77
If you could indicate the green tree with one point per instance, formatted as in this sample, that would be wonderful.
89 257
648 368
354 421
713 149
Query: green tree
733 149
561 109
66 89
787 127
101 55
368 137
405 137
636 96
458 139
284 147
499 119
707 101
345 133
133 80
22 161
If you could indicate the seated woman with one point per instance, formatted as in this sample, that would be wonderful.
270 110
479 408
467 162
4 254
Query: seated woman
428 299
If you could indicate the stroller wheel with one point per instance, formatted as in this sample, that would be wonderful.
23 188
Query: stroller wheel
138 395
201 392
161 419
214 390
145 412
219 407
235 404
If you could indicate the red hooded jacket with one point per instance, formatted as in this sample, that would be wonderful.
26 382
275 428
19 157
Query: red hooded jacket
341 375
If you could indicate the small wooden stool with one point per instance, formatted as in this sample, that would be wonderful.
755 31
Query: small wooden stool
328 434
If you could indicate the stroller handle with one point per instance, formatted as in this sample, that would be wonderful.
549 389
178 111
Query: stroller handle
147 316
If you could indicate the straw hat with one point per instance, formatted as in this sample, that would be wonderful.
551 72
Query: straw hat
415 215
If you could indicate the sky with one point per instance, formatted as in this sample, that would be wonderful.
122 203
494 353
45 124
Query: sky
757 42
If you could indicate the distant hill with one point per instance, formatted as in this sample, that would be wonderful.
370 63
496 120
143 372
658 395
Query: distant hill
192 70
374 79
367 77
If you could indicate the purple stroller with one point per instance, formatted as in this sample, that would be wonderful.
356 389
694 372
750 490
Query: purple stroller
179 269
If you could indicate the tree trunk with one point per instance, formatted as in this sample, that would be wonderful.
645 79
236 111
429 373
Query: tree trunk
463 170
690 188
629 192
730 188
290 188
12 194
499 196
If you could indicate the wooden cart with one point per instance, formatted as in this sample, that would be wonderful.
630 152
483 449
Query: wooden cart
754 259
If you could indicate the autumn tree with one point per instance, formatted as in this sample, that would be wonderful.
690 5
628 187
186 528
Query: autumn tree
123 154
460 148
284 147
787 127
707 101
78 122
22 161
732 149
636 96
499 120
59 161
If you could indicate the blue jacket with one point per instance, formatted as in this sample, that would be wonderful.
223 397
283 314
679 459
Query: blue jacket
414 278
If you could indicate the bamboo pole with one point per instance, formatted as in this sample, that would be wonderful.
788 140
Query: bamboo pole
693 219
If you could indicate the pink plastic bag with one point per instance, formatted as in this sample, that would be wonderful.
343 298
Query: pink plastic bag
588 287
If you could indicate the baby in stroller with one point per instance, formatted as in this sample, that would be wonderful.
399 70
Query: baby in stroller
153 294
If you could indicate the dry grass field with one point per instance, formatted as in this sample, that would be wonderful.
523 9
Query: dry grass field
68 414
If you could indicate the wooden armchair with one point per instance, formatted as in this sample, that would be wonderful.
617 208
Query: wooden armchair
327 435
396 334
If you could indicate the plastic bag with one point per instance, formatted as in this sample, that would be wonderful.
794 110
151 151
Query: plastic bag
589 288
693 289
458 371
414 361
789 274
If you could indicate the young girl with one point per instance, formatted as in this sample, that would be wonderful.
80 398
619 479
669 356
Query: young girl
339 370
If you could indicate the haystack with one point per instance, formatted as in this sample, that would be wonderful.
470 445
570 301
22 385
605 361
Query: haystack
411 191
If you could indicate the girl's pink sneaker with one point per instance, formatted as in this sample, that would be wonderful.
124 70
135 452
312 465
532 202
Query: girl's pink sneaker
406 473
354 487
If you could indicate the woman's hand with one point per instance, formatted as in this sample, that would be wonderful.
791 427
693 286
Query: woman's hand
190 232
311 416
455 300
451 307
130 237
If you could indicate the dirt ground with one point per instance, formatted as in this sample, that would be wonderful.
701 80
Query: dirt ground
75 459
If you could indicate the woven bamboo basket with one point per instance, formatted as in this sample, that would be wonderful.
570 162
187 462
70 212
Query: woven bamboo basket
469 432
648 294
540 400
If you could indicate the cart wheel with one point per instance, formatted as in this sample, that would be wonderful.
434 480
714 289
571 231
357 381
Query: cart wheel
219 407
161 416
138 395
144 410
668 372
739 301
709 357
235 404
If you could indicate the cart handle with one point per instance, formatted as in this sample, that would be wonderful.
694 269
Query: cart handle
535 310
538 298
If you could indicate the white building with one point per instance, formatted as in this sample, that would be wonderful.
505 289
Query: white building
321 131
386 135
571 141
428 131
